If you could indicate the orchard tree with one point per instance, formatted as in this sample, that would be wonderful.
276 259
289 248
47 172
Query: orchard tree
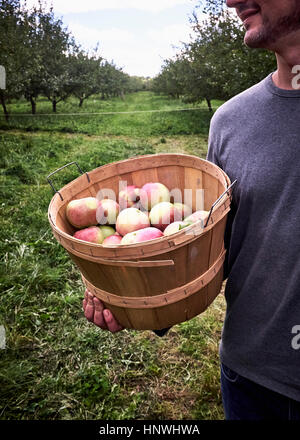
57 47
173 77
201 83
33 66
12 53
112 80
233 66
216 64
84 71
137 84
214 7
34 49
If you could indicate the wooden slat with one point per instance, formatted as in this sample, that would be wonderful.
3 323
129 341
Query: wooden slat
169 297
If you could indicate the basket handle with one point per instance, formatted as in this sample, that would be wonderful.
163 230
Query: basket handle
228 192
59 169
169 297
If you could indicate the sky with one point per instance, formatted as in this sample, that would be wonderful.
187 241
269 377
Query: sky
137 35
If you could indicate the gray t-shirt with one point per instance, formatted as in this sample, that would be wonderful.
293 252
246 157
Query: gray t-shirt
255 138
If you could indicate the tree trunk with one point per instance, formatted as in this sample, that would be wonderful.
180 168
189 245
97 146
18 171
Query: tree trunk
2 99
81 102
209 104
33 105
54 105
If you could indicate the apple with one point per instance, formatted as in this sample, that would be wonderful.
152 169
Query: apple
107 231
152 193
176 227
81 213
162 214
112 240
200 215
140 235
131 219
107 212
129 197
92 234
184 209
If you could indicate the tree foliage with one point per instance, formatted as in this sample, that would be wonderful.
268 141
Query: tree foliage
13 27
216 64
41 57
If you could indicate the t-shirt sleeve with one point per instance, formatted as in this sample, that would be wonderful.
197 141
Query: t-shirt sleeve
212 151
213 156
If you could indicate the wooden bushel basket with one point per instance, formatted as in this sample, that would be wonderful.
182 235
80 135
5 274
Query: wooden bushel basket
160 282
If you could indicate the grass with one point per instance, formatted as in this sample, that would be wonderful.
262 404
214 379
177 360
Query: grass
56 365
144 124
142 101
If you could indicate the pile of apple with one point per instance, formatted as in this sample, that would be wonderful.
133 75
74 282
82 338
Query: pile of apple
140 214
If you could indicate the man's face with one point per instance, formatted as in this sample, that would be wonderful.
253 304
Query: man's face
267 21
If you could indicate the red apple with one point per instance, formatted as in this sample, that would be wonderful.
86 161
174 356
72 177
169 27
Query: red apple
92 234
131 219
162 214
145 234
81 213
107 212
129 197
152 193
112 240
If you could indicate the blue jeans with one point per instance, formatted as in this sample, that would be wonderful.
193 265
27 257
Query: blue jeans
246 400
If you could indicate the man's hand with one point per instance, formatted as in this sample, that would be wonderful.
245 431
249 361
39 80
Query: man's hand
95 312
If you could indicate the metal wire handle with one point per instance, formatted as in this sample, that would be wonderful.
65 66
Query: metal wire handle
59 169
217 201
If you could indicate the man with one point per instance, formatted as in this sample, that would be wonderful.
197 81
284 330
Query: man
255 138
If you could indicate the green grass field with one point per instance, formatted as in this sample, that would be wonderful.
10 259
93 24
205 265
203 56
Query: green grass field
56 365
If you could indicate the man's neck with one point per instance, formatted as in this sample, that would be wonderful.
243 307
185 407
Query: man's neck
288 56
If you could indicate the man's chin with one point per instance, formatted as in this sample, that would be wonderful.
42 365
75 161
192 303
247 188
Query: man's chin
255 39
